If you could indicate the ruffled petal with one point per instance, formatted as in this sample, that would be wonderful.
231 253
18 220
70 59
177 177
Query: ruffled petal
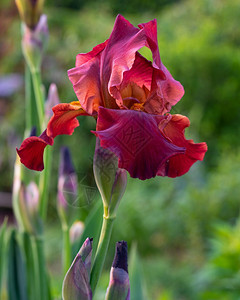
136 139
101 74
165 91
82 58
119 55
31 151
85 78
140 73
63 121
121 63
181 163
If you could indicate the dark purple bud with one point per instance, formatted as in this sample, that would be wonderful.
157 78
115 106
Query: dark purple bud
120 259
33 131
119 287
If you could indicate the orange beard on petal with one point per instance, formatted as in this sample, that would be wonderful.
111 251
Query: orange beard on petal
134 96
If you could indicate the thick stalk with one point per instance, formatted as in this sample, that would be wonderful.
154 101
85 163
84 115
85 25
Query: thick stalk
102 249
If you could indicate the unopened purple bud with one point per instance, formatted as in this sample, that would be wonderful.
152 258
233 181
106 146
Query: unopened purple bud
52 100
76 231
121 259
67 182
28 202
76 284
33 131
34 42
119 287
30 11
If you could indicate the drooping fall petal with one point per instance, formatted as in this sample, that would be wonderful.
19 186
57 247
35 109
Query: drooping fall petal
181 163
31 151
136 139
63 121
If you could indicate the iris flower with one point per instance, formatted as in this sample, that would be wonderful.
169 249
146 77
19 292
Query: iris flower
130 97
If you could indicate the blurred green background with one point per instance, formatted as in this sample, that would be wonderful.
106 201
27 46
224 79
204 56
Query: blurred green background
187 229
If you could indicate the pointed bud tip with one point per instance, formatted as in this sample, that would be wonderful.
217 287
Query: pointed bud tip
66 164
120 259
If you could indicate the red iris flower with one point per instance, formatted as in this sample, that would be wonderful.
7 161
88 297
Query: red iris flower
130 97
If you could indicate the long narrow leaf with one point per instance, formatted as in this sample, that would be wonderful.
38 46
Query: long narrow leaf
17 286
3 248
136 276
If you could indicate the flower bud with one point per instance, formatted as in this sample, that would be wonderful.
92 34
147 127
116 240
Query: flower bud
76 284
34 42
119 287
30 11
67 184
76 231
111 181
25 203
52 100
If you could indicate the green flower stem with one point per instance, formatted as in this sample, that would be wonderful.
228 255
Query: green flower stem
37 86
44 183
102 249
46 174
66 248
29 102
36 270
40 267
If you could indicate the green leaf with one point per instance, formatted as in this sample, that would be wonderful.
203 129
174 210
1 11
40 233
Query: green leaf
137 290
3 250
17 286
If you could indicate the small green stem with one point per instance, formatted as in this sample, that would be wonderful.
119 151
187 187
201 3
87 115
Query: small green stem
41 267
44 183
36 274
66 248
37 86
102 249
28 96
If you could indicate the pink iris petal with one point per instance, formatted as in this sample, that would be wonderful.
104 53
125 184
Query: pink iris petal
140 73
31 151
180 164
119 55
100 74
63 121
136 139
86 79
164 93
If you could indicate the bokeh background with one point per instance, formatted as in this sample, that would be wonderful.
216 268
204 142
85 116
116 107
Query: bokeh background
187 230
